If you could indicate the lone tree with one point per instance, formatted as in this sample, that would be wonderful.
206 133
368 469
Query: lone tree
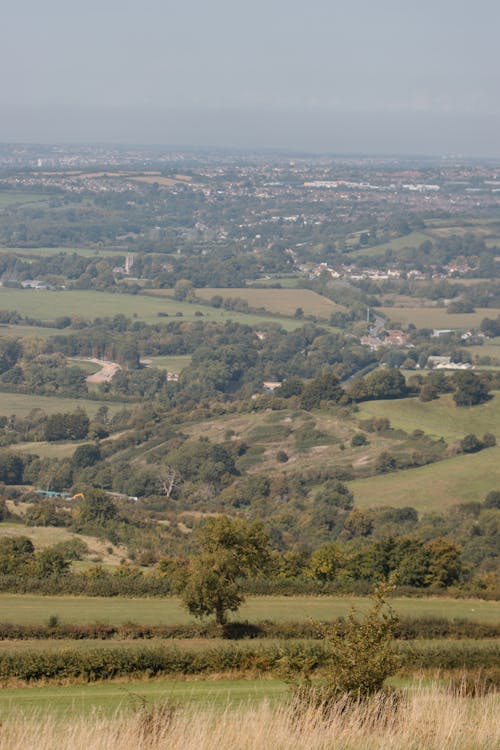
230 551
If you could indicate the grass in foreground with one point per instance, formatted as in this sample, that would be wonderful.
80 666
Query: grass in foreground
29 608
422 720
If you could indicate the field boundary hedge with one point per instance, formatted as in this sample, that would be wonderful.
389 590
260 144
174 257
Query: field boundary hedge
408 628
102 664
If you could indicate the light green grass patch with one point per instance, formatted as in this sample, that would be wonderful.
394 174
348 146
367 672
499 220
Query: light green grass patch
439 418
88 304
30 608
15 198
22 404
29 331
172 363
463 478
43 252
109 697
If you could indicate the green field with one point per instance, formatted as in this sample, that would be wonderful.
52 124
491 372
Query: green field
439 418
42 252
435 487
437 317
398 243
47 305
29 331
172 363
115 610
278 301
108 697
23 403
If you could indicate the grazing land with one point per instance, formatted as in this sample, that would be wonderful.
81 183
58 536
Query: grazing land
22 404
15 331
439 418
173 363
437 317
30 608
464 478
48 305
44 252
279 301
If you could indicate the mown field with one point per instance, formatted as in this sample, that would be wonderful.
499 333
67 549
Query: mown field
413 239
48 305
437 317
30 608
22 404
28 331
15 198
107 697
464 478
439 418
279 301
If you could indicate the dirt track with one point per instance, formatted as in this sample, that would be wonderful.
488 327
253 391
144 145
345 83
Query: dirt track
108 369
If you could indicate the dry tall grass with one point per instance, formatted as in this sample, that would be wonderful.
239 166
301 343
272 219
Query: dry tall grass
424 720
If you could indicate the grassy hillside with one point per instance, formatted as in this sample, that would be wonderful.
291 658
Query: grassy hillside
22 404
48 305
439 418
434 487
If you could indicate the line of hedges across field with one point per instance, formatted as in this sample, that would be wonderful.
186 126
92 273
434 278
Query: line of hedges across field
106 663
408 628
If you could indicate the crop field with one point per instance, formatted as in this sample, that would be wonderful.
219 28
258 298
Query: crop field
437 317
29 608
48 305
279 301
23 403
463 478
438 418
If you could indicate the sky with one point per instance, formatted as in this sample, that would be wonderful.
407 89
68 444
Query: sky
363 76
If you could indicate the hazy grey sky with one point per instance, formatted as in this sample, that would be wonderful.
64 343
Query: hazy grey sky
337 75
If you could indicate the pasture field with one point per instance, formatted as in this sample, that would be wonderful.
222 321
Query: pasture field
23 403
279 301
30 608
29 331
438 418
398 243
172 363
49 450
48 305
437 317
435 487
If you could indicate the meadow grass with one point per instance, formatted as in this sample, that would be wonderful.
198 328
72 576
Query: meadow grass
422 719
413 239
279 301
22 404
438 418
437 317
435 487
88 304
30 608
